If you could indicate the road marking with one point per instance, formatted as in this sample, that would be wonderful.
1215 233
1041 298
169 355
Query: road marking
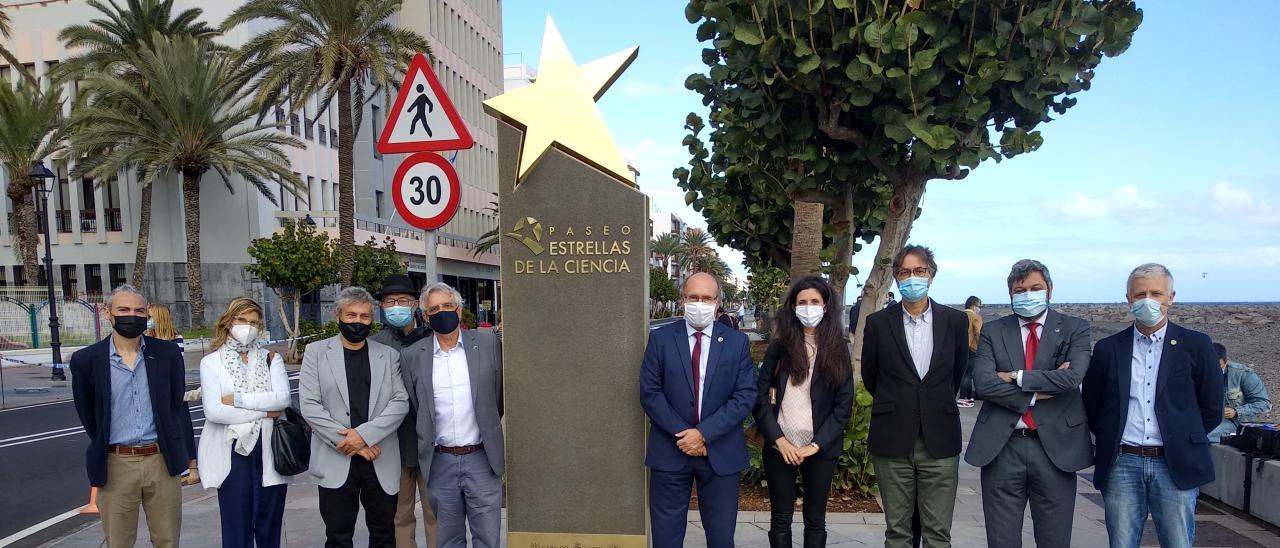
16 438
39 527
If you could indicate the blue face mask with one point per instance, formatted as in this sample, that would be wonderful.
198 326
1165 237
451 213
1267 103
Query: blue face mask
1029 304
914 288
398 316
1147 311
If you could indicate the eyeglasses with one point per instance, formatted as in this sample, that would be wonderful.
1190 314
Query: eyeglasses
921 272
446 307
239 321
402 301
700 299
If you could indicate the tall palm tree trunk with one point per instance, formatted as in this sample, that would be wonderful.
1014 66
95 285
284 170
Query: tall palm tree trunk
346 184
806 239
24 206
191 207
144 238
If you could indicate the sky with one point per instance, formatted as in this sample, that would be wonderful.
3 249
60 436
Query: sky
1170 157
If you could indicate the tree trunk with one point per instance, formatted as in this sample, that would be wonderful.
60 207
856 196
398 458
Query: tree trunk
291 332
897 229
144 238
806 239
842 258
346 185
27 230
191 207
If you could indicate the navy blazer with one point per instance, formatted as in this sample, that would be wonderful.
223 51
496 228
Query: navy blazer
1189 392
666 393
166 377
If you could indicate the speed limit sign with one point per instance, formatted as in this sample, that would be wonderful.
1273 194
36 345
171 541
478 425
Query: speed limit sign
426 190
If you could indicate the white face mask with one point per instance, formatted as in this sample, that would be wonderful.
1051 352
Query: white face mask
699 315
810 315
244 334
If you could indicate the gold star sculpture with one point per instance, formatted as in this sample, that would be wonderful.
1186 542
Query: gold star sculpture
559 108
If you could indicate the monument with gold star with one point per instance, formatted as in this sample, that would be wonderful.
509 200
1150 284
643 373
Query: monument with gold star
575 291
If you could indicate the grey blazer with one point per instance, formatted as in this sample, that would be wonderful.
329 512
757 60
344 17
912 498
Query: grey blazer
1060 421
484 367
322 392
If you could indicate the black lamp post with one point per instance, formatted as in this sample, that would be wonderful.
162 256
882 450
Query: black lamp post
39 174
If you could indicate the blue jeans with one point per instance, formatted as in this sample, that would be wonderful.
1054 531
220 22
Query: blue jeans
1138 486
463 491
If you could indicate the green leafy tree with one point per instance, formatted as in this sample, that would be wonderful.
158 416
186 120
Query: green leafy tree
373 263
667 247
765 286
696 253
106 45
293 262
897 95
492 238
191 119
661 289
327 48
32 128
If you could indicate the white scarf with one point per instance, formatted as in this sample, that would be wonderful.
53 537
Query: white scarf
251 378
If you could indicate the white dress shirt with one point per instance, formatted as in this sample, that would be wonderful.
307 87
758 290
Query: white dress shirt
455 414
1141 427
1025 332
919 333
702 362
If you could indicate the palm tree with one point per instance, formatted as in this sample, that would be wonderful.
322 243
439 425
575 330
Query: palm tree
32 128
666 246
6 28
328 48
490 239
696 253
192 118
108 44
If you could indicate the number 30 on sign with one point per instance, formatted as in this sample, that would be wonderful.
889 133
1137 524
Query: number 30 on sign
426 190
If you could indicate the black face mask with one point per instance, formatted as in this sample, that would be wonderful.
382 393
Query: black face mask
444 322
130 327
354 332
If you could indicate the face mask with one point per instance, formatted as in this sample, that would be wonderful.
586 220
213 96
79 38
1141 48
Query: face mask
1147 311
699 315
810 315
398 316
130 327
914 288
244 334
444 322
354 332
1030 304
151 324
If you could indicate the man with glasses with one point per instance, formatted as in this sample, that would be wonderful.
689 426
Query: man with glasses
913 358
455 386
400 329
697 385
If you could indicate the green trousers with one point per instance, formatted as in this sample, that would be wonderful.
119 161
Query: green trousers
921 483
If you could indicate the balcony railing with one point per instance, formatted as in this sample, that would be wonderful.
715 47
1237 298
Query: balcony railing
112 217
64 220
389 230
88 220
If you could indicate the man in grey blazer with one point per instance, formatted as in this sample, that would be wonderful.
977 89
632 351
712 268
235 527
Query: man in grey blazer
455 383
352 395
1032 434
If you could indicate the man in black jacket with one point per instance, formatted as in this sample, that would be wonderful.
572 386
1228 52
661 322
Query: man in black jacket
913 358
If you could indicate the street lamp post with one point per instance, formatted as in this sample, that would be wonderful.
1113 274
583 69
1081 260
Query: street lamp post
40 174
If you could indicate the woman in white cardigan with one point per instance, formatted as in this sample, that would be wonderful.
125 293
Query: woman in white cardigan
244 387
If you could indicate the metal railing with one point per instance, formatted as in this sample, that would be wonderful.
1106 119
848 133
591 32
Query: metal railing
88 220
63 217
112 217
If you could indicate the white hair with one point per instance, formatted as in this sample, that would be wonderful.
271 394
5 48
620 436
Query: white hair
123 289
1149 270
354 295
440 287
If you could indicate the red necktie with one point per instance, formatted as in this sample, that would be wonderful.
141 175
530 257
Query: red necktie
1033 344
697 357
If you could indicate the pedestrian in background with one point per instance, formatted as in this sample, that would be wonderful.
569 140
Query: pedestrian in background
1246 399
972 309
160 326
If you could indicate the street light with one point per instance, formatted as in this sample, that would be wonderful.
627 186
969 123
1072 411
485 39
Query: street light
40 174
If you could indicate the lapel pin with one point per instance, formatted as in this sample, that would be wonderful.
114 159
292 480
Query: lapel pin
719 339
1056 330
1174 342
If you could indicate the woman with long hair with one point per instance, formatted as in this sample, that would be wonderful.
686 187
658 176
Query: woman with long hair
160 326
804 403
247 387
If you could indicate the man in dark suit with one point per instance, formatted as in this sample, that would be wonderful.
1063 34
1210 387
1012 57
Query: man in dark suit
697 385
128 392
913 358
1152 394
1031 436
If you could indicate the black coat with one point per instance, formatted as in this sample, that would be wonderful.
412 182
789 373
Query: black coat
907 406
831 406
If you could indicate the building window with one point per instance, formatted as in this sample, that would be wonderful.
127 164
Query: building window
88 215
333 138
4 281
293 125
93 279
111 213
377 203
19 275
324 135
309 130
63 211
69 282
117 274
280 118
374 118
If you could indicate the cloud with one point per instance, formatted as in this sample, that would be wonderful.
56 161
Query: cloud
1114 204
1241 204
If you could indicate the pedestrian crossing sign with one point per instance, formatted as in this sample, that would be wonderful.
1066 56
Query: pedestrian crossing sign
422 117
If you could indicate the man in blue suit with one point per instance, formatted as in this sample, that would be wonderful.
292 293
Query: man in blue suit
697 385
1152 393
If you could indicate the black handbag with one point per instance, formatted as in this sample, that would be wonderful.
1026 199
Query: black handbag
291 443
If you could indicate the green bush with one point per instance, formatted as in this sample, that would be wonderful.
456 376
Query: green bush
468 318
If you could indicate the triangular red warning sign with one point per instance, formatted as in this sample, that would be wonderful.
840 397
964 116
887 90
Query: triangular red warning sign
423 117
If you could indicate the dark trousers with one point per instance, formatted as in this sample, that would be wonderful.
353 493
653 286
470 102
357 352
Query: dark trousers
967 388
251 514
339 508
815 479
669 504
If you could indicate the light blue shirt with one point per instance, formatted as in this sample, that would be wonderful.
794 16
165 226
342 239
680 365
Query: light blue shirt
703 356
919 333
1141 427
132 419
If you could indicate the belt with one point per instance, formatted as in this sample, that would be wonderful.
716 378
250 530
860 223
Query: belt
1025 433
464 450
1142 451
138 450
